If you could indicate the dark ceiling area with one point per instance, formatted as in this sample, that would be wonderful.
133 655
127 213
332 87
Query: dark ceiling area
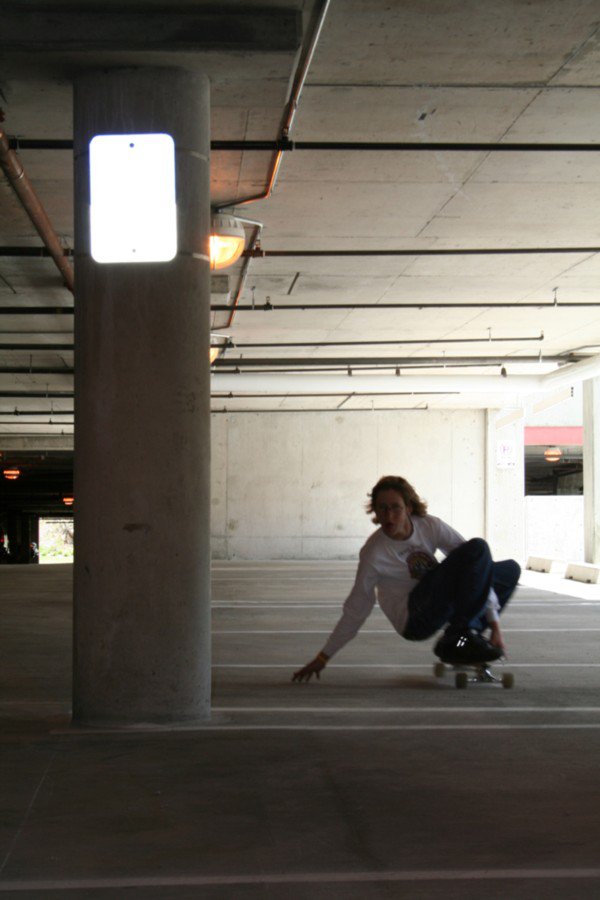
45 478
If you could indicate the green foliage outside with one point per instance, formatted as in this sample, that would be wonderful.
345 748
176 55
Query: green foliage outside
56 540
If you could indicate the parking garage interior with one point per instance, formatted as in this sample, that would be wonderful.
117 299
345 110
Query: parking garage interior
416 189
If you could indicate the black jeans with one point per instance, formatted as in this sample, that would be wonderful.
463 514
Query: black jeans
456 591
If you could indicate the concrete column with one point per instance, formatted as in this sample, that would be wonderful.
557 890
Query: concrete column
505 477
142 434
591 469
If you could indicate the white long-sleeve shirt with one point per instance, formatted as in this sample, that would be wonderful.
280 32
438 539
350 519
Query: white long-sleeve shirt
388 570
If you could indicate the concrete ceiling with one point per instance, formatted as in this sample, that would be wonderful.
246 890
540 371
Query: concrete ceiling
480 71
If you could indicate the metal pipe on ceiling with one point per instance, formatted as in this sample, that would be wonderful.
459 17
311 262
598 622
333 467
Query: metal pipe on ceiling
385 384
378 368
277 147
289 113
259 253
225 362
309 307
17 177
309 362
36 370
22 420
226 411
38 395
381 384
242 278
41 347
37 252
232 395
285 145
404 146
36 310
520 384
366 343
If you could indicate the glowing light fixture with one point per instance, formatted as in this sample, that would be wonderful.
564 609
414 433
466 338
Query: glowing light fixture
68 499
11 473
133 216
552 454
227 240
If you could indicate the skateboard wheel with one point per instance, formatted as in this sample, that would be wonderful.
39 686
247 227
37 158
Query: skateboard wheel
439 669
461 680
508 680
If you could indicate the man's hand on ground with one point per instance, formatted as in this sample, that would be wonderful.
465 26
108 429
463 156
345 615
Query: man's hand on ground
313 668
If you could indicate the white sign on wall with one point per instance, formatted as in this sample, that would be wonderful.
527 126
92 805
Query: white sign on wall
506 454
133 215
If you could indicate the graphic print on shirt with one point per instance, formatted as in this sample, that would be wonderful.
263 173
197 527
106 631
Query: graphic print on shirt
419 563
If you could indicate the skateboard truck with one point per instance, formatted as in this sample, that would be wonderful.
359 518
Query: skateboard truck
477 673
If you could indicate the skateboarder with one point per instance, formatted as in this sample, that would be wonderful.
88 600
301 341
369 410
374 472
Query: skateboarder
466 591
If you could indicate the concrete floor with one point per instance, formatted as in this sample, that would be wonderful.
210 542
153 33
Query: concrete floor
379 781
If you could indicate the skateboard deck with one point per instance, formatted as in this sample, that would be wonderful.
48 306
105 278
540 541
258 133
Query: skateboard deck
479 673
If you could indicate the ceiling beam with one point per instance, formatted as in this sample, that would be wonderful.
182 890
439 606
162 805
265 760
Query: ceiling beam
129 28
283 145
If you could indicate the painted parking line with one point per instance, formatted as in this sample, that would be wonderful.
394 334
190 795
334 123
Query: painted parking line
391 633
377 710
291 878
201 728
337 604
511 665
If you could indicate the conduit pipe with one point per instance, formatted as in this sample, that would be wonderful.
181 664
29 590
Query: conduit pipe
282 143
17 177
311 307
403 146
389 384
284 130
259 253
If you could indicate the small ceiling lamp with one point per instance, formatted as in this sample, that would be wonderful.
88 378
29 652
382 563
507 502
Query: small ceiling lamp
68 499
227 240
552 454
11 473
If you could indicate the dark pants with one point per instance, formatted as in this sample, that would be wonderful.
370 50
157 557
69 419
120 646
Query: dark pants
456 591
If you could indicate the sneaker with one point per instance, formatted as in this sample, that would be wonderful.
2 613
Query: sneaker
466 648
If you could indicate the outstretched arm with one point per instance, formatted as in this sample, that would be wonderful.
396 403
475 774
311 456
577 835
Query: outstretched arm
357 607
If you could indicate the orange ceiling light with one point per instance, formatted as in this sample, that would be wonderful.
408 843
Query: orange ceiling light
11 473
68 499
552 454
227 240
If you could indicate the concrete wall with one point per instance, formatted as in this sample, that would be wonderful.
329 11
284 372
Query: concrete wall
554 527
294 486
505 474
563 407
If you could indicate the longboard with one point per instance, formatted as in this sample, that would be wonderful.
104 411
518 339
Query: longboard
479 673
